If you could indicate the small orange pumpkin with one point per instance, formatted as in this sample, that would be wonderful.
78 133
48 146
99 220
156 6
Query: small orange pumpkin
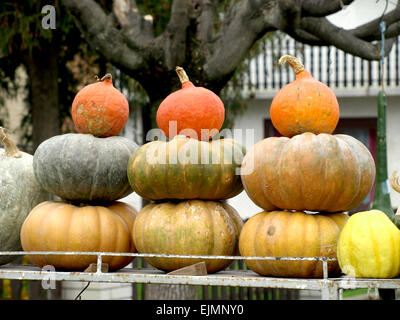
100 109
193 108
303 105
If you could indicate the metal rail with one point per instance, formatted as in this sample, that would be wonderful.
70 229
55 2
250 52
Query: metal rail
329 287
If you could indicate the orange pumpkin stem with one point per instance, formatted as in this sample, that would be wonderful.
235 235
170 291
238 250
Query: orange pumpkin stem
183 77
10 147
294 62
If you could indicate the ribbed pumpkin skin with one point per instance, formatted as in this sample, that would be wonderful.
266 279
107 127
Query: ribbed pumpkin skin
83 168
304 105
126 212
100 109
192 227
164 170
19 194
369 246
291 234
59 226
324 172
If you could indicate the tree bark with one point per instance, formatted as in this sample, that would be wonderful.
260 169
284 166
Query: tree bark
42 70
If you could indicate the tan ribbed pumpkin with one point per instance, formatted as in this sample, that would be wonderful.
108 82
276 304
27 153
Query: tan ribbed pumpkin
291 234
192 227
323 172
59 226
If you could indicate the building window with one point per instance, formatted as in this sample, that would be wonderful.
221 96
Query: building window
363 129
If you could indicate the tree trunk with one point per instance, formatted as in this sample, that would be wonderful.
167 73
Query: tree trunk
42 70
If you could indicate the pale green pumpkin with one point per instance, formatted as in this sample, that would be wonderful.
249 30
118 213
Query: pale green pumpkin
83 168
19 193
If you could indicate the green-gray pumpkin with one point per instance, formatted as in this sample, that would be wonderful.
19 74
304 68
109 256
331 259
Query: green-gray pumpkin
82 168
19 194
186 168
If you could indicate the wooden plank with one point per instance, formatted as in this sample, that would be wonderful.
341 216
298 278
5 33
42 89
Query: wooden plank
197 269
93 268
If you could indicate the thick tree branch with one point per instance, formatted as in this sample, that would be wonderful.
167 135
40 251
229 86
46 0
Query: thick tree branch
290 12
173 39
102 35
205 21
322 8
307 38
342 39
135 28
244 23
393 30
371 31
365 33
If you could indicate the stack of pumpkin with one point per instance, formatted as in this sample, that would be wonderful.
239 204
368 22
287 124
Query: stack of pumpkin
185 179
304 181
87 170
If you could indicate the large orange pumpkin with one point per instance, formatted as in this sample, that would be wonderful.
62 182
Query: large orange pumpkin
304 105
291 234
100 109
59 226
191 109
321 172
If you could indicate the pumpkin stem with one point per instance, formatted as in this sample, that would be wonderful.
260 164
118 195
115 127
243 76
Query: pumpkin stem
394 182
107 77
10 147
182 75
294 62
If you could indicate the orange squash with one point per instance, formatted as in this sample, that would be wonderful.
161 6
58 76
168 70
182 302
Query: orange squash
100 109
59 226
312 172
303 105
291 234
193 108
